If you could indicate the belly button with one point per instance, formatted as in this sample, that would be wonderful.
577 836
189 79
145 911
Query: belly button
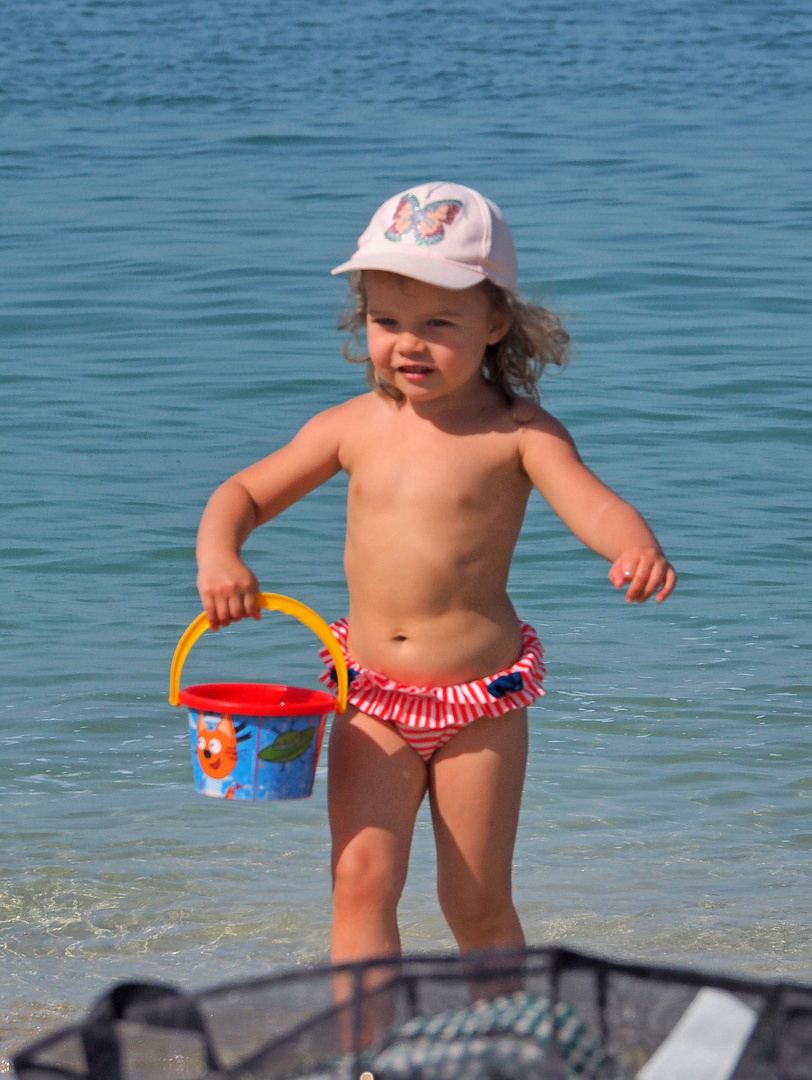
399 637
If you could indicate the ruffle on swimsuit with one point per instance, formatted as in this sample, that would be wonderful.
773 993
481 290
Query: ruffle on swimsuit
433 708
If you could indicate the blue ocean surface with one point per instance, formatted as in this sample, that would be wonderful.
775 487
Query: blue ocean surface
178 177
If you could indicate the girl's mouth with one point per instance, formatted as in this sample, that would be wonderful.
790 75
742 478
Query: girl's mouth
415 372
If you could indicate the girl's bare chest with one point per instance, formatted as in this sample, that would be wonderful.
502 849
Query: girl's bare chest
467 470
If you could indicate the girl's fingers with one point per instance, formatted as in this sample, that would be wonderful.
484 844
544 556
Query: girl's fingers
652 582
223 611
668 587
643 573
660 576
249 606
232 607
228 590
218 611
638 579
620 573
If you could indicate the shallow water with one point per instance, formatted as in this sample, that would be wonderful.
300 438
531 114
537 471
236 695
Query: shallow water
178 179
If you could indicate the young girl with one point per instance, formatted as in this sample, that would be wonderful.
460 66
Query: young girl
442 455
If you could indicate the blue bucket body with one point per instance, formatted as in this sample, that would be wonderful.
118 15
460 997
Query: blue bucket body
235 756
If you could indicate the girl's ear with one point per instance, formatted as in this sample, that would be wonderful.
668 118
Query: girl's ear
501 319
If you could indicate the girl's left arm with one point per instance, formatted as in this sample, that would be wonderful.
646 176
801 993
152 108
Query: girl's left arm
595 514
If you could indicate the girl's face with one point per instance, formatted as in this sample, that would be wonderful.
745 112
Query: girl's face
426 341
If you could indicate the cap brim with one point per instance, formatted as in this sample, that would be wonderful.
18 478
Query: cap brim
446 274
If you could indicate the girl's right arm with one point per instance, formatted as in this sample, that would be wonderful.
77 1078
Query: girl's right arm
227 586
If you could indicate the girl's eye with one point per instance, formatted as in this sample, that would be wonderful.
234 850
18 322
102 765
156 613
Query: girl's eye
439 322
380 321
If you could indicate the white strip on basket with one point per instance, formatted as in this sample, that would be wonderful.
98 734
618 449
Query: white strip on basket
707 1041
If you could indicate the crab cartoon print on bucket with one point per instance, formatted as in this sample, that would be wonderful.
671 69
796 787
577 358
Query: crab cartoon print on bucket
255 740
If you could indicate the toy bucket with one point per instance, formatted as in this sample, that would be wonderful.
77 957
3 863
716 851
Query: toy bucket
253 740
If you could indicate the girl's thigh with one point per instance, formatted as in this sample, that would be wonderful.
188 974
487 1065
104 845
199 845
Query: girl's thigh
374 789
475 786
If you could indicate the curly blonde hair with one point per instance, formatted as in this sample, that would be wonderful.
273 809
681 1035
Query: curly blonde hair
512 366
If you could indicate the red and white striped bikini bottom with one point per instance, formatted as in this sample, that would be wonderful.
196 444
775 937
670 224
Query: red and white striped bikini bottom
428 716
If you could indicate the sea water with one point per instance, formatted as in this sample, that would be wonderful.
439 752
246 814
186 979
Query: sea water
178 178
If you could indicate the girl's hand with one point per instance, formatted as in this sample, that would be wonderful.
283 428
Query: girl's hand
645 570
228 590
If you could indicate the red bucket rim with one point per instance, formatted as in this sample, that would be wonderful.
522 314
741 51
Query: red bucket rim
257 699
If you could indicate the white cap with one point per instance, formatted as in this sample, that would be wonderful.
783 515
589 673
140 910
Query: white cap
445 234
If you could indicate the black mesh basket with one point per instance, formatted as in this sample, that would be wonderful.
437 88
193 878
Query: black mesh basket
550 1014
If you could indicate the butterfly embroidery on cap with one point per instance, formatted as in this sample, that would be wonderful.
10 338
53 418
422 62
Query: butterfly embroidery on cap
427 222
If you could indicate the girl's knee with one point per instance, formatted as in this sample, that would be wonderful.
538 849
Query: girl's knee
365 876
476 914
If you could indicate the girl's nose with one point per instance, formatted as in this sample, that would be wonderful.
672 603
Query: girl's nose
410 343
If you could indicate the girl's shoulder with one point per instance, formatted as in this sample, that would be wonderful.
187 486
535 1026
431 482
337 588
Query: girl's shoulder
346 412
347 409
528 415
341 422
540 437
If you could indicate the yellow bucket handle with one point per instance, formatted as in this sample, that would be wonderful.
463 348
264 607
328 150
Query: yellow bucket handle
271 602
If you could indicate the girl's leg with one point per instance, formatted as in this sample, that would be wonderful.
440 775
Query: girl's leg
375 786
475 787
